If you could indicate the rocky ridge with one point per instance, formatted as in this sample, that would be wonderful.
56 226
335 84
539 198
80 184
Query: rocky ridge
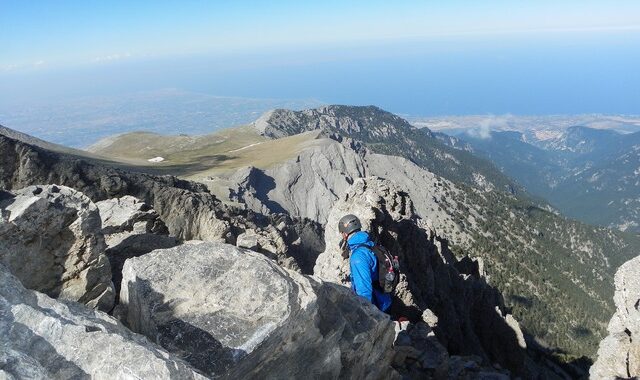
227 311
309 185
187 208
243 315
373 126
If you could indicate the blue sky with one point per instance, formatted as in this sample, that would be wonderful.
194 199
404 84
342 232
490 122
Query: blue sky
419 57
54 33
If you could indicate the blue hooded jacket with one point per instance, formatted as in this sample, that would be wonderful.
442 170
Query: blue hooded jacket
364 270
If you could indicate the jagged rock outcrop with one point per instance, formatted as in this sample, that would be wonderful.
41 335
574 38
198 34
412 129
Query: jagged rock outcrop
127 214
619 352
131 228
187 208
43 338
309 185
369 120
51 239
233 313
471 316
306 186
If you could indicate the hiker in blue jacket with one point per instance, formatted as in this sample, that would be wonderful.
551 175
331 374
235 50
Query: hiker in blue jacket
363 262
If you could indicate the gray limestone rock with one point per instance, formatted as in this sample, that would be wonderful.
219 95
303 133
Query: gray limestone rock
51 239
43 338
619 352
248 239
309 185
306 186
470 314
131 228
233 313
129 214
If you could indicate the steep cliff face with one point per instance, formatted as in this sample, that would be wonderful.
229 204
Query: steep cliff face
619 352
309 185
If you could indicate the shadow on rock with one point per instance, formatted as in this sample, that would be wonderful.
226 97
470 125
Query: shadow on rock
185 340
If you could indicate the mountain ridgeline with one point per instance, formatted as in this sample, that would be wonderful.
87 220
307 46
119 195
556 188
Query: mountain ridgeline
386 133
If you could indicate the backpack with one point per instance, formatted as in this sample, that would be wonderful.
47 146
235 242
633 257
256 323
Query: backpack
388 269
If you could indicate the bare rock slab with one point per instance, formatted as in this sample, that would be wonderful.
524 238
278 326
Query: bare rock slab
619 352
43 338
235 313
51 239
131 228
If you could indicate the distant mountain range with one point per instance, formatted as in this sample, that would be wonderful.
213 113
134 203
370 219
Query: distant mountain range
586 173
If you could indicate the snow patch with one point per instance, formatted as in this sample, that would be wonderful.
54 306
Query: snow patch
156 159
244 147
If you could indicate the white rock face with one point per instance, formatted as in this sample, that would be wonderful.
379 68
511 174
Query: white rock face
309 185
619 352
51 239
42 338
233 312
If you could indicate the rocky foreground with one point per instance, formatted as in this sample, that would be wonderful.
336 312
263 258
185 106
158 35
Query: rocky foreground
211 309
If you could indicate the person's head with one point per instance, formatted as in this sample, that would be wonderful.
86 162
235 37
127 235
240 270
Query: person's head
348 224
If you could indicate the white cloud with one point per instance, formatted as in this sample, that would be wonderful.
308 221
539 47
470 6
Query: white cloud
490 123
112 57
8 67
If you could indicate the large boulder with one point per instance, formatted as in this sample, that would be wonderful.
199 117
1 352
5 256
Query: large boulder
235 313
467 315
51 239
619 352
43 338
131 228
